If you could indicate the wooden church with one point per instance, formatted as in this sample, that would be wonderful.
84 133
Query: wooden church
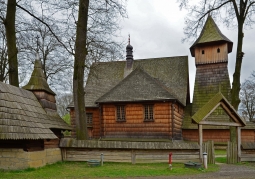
150 98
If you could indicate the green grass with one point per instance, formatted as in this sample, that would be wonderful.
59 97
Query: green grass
221 159
111 170
220 152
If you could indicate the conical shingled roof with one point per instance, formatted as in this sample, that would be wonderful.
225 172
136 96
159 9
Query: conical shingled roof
38 80
211 34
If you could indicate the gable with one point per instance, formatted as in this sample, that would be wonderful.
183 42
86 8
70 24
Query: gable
218 100
172 72
138 86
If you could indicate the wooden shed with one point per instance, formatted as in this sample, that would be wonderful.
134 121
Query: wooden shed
29 132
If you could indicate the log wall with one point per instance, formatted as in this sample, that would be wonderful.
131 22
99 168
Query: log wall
217 135
136 127
94 131
210 54
178 112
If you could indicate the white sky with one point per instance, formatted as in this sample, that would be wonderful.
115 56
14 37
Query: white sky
156 29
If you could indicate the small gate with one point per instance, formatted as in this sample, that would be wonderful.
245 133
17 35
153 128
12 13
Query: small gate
232 153
208 147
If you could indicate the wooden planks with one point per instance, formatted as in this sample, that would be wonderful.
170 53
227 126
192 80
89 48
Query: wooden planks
133 156
231 152
210 54
208 147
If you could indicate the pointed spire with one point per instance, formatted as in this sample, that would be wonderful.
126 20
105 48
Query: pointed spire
211 34
38 81
129 56
37 48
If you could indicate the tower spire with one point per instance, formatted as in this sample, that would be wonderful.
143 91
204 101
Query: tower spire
37 48
129 56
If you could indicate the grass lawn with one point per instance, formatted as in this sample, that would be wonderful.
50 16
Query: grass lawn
221 159
220 152
112 170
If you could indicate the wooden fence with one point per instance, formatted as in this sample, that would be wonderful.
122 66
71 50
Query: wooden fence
248 152
208 147
134 152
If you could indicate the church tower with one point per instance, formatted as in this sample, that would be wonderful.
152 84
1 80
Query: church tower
211 58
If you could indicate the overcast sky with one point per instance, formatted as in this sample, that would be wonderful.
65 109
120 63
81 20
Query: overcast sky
156 29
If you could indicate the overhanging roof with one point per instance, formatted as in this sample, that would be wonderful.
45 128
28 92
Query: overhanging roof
137 86
218 100
172 72
210 34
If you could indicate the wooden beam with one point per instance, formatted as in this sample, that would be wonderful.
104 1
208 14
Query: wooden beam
220 123
200 128
238 144
229 113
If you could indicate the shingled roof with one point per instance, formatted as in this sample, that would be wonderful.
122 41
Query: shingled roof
21 115
138 86
210 106
170 73
55 121
38 80
211 34
37 83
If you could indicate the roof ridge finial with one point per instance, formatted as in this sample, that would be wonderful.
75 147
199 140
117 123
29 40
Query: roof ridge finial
128 39
37 47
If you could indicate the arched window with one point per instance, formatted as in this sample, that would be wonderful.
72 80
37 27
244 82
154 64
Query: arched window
203 52
218 50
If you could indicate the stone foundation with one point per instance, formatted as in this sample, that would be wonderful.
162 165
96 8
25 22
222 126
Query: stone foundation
16 159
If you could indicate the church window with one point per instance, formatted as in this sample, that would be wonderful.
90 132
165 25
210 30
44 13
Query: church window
148 112
120 113
218 50
89 118
203 52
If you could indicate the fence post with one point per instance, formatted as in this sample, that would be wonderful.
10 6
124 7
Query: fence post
102 159
170 161
133 157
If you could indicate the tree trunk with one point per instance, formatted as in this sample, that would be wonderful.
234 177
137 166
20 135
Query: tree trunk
235 100
78 77
11 42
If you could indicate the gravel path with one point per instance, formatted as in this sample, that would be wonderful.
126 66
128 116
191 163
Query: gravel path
226 171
